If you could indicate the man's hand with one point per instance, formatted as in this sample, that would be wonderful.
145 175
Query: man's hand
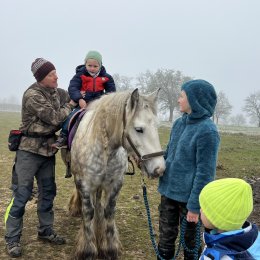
73 103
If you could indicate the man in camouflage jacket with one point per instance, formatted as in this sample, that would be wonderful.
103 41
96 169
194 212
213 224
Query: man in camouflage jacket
44 108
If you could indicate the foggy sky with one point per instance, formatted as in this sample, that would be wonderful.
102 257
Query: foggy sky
214 40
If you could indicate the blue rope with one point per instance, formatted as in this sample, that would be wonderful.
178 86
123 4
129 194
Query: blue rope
196 248
184 222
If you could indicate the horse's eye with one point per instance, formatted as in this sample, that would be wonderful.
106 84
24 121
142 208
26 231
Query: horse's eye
139 130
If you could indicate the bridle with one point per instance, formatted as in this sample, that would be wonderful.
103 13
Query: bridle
141 158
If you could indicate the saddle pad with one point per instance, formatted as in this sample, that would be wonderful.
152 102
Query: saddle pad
73 125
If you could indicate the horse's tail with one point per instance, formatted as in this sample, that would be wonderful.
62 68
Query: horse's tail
75 205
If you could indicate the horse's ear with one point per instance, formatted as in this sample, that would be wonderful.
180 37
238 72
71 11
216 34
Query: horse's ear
134 98
154 95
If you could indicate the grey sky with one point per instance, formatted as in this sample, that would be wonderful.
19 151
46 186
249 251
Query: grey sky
214 40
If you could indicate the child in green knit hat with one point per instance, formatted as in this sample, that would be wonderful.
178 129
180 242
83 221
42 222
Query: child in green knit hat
225 206
90 82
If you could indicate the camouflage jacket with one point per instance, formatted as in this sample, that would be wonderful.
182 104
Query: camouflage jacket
43 111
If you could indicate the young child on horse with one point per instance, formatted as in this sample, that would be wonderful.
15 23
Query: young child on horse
90 82
225 206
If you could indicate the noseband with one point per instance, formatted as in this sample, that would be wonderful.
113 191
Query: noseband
141 158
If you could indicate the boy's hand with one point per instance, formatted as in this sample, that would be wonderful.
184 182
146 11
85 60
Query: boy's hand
192 217
82 103
83 93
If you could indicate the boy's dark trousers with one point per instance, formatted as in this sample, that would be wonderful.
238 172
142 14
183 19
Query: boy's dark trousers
171 212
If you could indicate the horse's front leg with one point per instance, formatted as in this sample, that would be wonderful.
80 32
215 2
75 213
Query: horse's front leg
112 246
86 240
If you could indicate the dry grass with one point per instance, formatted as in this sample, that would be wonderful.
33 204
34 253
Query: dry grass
239 156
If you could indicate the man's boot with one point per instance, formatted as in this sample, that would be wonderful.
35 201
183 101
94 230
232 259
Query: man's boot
51 237
12 237
14 249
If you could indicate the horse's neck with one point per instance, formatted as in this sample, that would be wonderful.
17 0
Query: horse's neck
113 132
107 120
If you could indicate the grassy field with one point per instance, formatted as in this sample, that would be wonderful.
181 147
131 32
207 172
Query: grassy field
239 156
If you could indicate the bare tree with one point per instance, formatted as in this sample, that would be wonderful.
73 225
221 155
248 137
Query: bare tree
169 81
252 107
238 120
223 107
123 82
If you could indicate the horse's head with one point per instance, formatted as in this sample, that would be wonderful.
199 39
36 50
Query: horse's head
141 133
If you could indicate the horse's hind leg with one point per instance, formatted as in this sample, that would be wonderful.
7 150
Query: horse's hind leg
86 240
99 223
112 249
75 204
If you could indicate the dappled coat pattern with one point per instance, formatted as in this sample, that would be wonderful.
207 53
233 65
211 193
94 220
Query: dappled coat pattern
99 161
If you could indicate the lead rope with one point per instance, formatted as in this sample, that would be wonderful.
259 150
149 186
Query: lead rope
194 251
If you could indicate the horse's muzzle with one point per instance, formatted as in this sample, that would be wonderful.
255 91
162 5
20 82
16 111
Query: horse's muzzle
158 172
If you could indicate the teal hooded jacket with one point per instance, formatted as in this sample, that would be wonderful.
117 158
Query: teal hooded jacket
191 154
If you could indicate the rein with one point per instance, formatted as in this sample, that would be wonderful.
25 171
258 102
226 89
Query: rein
182 243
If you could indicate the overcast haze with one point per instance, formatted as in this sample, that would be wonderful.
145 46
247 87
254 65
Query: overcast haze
217 40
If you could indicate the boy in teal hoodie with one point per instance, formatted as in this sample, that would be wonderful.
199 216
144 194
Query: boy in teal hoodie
191 158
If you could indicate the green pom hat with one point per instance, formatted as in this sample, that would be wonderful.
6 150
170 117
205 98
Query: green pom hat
227 203
95 55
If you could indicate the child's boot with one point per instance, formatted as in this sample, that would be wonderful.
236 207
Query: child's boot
61 142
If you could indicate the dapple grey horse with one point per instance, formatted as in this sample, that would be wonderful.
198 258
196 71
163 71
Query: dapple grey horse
115 126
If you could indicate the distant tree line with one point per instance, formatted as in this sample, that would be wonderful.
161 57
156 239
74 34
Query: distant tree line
170 82
10 107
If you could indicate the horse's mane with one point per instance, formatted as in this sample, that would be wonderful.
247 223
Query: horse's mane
113 104
108 112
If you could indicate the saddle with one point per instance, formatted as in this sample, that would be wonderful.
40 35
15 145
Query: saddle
73 125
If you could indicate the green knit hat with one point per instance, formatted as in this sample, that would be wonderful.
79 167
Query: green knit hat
227 203
94 55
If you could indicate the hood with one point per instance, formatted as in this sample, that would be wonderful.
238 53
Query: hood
202 98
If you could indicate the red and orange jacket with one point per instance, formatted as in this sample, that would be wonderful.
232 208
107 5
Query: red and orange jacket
94 87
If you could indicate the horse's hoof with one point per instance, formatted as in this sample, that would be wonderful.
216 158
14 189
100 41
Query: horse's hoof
108 254
75 214
85 256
